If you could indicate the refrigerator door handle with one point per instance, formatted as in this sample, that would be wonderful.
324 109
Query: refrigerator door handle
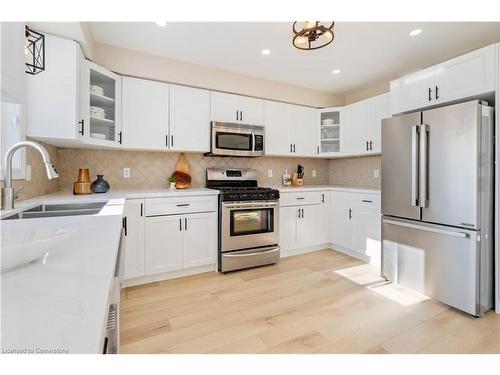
427 229
414 165
424 166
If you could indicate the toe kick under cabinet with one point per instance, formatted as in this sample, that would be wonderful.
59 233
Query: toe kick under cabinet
169 237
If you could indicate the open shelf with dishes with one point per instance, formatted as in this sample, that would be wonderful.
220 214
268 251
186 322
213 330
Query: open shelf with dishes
103 91
329 131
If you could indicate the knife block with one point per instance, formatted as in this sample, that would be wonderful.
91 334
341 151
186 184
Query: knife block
296 180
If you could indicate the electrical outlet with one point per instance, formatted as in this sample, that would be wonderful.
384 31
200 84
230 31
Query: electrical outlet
376 173
126 172
314 172
28 172
269 173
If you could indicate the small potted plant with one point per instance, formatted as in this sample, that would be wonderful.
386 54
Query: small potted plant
171 182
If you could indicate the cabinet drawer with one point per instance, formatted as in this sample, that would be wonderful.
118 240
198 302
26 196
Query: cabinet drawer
365 200
179 205
300 199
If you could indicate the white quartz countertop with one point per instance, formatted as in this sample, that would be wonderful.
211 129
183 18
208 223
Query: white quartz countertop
114 196
59 302
353 189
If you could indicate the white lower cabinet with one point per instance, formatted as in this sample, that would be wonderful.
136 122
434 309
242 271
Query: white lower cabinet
133 262
163 244
168 242
355 224
303 227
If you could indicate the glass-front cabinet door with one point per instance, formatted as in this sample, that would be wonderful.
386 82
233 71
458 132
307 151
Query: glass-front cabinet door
103 98
329 142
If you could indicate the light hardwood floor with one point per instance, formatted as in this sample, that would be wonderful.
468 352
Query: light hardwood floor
321 302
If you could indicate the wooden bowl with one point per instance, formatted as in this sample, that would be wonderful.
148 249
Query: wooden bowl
82 188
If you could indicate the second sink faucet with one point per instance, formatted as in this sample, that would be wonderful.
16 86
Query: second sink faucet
7 190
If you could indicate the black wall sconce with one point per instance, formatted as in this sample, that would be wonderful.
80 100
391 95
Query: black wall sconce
34 50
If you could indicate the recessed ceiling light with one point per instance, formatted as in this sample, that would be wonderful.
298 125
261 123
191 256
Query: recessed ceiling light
336 71
161 23
266 51
415 32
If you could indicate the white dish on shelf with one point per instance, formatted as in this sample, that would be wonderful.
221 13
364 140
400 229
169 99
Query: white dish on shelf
98 135
98 90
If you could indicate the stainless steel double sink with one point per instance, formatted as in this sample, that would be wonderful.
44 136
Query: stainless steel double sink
55 210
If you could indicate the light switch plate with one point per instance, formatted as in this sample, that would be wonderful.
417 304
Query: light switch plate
376 173
126 172
314 172
269 173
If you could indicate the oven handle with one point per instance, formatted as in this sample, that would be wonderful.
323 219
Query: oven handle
273 250
250 204
253 143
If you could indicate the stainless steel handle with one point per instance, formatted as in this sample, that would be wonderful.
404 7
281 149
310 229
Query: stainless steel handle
291 148
350 213
302 213
250 204
237 115
437 92
166 140
371 146
322 198
142 209
414 164
300 198
180 224
185 223
366 201
424 162
298 211
172 140
430 94
294 148
241 115
183 205
367 148
427 229
251 254
253 143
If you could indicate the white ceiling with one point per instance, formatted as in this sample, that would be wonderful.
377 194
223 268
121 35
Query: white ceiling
366 52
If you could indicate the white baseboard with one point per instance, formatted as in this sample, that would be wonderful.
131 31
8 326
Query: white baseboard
304 250
169 275
350 252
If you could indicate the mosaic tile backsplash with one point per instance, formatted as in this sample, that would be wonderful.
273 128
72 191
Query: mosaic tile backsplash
149 170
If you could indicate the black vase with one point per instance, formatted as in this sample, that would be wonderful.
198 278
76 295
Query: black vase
100 185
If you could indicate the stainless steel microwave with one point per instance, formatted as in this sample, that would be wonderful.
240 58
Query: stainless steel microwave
236 139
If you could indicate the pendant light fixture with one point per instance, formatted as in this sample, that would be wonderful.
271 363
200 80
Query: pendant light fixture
311 35
34 51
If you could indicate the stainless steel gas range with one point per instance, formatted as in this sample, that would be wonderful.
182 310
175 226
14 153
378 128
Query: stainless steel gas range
248 219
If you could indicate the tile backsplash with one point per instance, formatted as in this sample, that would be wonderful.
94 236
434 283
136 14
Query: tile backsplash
355 171
149 170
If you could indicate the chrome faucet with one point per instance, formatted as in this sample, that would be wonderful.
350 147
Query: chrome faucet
7 190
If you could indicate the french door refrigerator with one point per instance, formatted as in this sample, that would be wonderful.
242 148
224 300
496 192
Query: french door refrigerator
437 204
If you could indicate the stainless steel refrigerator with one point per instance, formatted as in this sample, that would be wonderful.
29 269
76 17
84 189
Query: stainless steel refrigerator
438 204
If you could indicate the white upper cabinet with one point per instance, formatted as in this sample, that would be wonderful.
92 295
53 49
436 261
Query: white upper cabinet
237 109
290 129
303 130
145 114
465 76
189 119
277 129
359 130
73 101
55 105
13 96
329 129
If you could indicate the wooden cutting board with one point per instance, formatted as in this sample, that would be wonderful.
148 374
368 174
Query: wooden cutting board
182 172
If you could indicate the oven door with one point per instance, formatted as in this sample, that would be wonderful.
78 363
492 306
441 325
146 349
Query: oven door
237 140
247 225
